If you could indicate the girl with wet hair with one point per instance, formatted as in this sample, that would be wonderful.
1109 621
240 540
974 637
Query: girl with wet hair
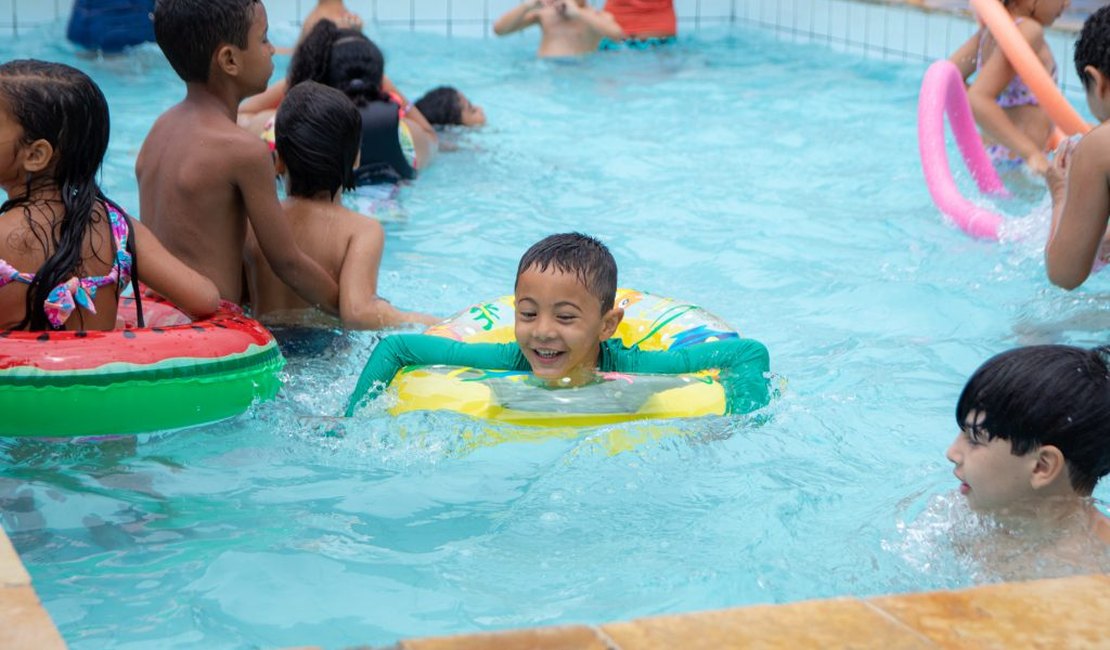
66 250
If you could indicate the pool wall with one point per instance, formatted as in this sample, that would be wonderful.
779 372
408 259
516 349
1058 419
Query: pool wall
879 29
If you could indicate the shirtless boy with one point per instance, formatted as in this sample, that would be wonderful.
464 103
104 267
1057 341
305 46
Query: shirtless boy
201 177
570 27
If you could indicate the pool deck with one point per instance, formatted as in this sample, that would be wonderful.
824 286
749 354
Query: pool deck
24 624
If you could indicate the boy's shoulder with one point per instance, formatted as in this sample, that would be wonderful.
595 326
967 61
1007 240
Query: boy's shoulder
1096 146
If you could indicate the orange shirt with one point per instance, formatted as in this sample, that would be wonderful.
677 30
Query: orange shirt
643 18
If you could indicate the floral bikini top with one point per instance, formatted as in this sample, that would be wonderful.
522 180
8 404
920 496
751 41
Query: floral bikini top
75 292
1016 93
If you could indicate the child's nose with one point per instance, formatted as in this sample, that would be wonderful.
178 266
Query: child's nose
954 453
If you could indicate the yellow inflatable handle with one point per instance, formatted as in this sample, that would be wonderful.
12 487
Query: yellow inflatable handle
1029 66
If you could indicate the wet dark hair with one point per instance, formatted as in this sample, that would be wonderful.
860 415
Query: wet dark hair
587 258
63 106
441 106
344 59
1046 395
1093 46
318 136
190 31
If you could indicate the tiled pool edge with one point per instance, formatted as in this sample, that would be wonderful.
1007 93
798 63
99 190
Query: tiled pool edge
1059 613
24 623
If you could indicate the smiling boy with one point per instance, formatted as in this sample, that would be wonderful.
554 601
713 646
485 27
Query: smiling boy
1035 437
565 317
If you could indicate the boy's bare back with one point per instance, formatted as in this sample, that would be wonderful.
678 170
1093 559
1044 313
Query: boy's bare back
324 231
194 169
349 246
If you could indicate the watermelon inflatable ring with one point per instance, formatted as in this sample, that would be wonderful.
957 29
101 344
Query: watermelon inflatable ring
172 373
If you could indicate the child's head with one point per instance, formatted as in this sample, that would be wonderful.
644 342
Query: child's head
53 137
318 137
446 106
1044 12
61 121
565 290
1092 62
1034 421
341 58
198 36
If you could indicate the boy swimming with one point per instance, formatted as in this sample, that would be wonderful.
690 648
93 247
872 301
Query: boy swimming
570 27
318 131
201 177
565 317
1035 440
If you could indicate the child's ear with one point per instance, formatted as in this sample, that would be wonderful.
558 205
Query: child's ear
37 156
1098 80
279 164
226 58
1050 466
609 323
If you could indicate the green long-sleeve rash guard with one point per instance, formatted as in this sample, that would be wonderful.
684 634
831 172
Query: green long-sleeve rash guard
743 363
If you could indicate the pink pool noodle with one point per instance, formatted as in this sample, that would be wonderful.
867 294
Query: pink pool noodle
942 92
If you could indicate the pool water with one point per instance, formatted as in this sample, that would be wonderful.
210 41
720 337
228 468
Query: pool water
775 185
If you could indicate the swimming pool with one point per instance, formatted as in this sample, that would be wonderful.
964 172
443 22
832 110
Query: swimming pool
774 184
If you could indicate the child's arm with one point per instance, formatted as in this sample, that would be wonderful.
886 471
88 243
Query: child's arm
992 79
396 352
1080 187
188 290
267 99
360 307
743 364
523 15
254 176
601 22
965 57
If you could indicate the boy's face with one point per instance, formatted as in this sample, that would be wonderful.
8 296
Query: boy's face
559 326
1098 95
258 57
992 477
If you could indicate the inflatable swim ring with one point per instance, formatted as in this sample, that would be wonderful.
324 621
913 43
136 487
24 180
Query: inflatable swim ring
650 321
172 373
942 93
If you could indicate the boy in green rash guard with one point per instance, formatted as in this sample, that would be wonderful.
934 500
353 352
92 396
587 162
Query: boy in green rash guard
565 315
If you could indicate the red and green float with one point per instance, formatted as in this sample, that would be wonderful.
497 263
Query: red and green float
170 374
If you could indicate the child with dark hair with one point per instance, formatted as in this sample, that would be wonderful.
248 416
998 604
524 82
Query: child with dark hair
317 147
202 179
447 106
394 145
565 319
312 60
84 249
1035 436
1079 178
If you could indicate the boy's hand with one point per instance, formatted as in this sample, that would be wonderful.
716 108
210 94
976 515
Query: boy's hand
351 20
1038 163
1057 174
